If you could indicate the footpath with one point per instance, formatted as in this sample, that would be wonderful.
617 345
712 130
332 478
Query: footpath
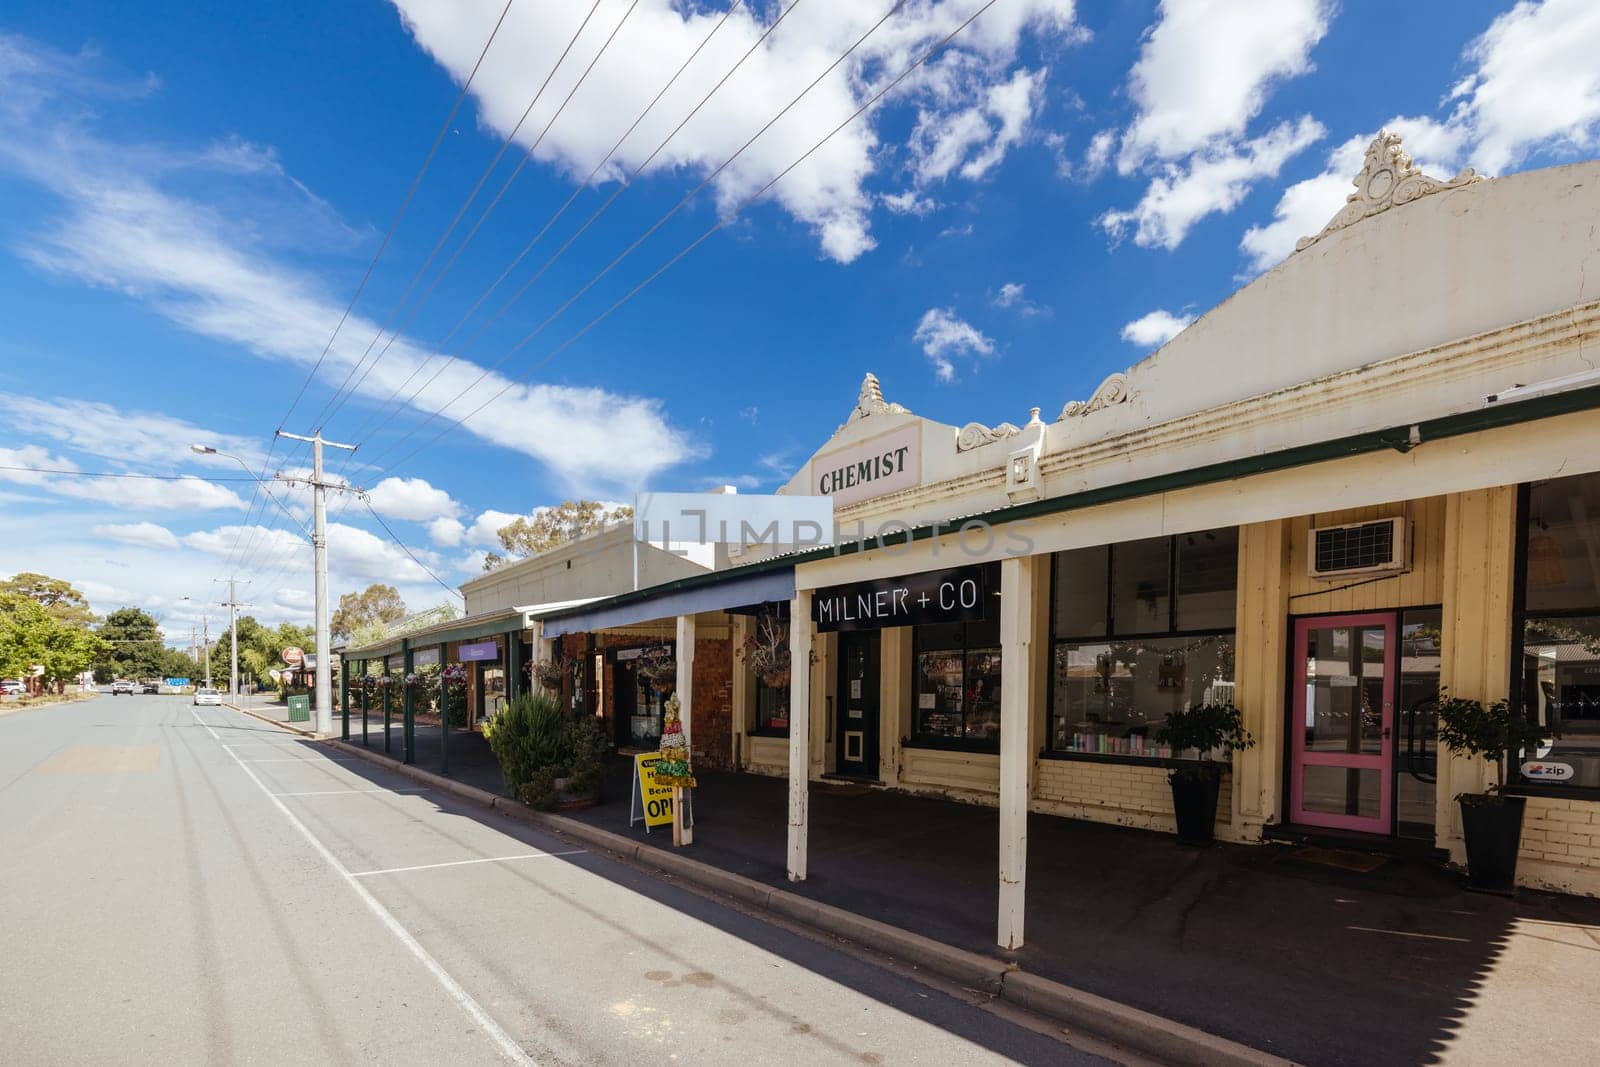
1232 954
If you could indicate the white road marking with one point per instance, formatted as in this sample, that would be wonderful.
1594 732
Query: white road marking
310 760
1407 933
463 863
508 1047
342 792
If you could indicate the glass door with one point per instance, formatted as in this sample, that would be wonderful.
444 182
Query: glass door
857 733
1342 757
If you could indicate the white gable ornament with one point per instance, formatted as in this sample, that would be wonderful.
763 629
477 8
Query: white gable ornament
1114 390
1387 179
870 401
976 435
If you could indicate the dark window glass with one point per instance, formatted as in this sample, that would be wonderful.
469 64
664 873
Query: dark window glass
957 693
1208 579
1560 690
1111 696
772 708
1563 554
1141 578
1080 596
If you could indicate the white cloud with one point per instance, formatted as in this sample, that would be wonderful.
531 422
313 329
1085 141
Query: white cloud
186 493
143 534
125 436
1206 69
119 227
1208 183
910 202
1155 329
1203 75
974 140
1305 207
1012 297
827 192
1099 154
1537 82
486 528
943 336
414 499
446 531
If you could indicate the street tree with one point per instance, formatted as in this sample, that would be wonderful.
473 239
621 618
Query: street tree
57 596
133 645
378 605
32 637
549 527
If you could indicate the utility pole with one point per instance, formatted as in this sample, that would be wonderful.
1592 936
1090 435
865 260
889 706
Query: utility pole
205 621
319 545
233 635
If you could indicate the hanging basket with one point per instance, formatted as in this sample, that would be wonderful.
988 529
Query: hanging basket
454 674
548 674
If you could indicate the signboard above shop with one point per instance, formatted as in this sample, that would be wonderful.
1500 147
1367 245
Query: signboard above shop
481 651
960 594
870 468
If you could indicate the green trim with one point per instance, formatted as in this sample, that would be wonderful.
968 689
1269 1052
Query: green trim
459 630
1397 438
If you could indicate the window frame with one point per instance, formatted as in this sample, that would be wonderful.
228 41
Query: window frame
1516 785
963 743
1111 635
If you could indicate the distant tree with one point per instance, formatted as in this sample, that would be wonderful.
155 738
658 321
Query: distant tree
32 636
133 645
55 595
549 527
377 604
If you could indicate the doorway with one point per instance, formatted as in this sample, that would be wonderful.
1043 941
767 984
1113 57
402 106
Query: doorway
856 731
1363 737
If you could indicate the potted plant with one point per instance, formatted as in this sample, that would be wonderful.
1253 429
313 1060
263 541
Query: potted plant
548 674
658 667
1491 822
548 761
1196 783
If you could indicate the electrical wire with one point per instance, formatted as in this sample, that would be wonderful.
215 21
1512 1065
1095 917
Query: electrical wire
129 474
367 428
447 588
456 220
527 338
394 224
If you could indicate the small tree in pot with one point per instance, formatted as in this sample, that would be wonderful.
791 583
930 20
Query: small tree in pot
1491 822
1196 784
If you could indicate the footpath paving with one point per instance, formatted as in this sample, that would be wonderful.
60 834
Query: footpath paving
1288 950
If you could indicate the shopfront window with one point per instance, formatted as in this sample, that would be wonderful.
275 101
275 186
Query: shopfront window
1139 630
772 709
1558 678
957 697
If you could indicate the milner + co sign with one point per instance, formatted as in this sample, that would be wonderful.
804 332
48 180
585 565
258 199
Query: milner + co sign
870 468
959 594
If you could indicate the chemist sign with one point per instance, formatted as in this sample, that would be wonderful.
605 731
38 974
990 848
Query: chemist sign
960 594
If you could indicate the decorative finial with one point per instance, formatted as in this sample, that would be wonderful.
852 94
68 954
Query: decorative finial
1388 179
870 401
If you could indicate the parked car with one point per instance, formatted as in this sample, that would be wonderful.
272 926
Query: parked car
11 687
121 686
207 696
150 687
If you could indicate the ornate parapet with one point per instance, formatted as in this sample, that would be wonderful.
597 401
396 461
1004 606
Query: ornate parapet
1387 179
976 435
1114 390
870 401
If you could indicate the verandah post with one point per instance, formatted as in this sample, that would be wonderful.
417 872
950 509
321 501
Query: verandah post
444 713
408 707
801 635
1016 683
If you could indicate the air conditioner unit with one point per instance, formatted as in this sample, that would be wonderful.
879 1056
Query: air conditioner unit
1358 548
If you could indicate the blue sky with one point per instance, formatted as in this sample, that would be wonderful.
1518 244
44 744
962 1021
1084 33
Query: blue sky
192 196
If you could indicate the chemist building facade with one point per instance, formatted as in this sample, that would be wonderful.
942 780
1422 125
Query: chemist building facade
1371 474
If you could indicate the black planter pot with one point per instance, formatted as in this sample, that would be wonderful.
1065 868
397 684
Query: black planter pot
1492 826
1194 804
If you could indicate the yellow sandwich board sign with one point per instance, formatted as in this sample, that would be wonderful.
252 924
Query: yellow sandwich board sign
652 802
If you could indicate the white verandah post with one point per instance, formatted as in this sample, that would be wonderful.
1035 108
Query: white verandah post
1016 698
801 634
685 686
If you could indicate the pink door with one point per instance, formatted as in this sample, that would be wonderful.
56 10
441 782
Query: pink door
1341 766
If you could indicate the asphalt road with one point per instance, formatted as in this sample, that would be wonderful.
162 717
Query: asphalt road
194 886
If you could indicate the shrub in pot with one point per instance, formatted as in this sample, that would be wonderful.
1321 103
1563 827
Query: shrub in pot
1197 783
1491 822
548 761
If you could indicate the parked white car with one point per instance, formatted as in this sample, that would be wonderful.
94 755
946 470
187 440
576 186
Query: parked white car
207 696
11 687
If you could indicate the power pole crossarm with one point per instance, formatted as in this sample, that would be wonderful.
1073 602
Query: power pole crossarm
319 545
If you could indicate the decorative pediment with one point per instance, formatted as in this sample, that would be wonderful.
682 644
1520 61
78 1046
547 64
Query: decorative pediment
1114 390
871 401
1387 179
976 435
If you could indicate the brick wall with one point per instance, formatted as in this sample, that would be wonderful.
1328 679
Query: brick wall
1120 793
1561 831
712 727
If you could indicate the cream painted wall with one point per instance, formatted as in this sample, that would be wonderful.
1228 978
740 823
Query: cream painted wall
599 564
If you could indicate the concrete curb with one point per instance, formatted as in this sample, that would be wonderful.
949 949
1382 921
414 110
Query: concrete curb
1138 1031
302 731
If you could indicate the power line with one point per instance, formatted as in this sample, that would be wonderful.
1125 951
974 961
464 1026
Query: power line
127 474
666 217
522 290
321 419
394 224
364 432
448 588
